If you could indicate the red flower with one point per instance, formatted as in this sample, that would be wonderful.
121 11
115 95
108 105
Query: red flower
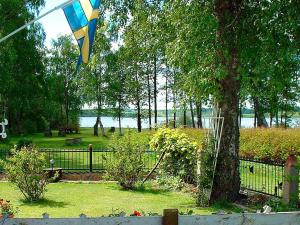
137 213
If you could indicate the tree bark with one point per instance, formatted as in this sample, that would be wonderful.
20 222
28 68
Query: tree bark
260 117
99 102
149 102
184 117
241 115
174 103
119 116
199 114
138 104
167 116
226 183
277 121
96 127
155 90
271 119
192 114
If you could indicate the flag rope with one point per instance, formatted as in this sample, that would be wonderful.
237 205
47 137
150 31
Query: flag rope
36 19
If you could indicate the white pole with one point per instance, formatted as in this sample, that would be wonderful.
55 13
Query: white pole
38 18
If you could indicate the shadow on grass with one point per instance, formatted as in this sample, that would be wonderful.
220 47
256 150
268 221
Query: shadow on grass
147 189
43 203
226 206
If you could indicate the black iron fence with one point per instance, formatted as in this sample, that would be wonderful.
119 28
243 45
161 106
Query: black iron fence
260 176
83 160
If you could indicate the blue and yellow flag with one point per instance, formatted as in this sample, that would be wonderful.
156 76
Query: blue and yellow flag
82 16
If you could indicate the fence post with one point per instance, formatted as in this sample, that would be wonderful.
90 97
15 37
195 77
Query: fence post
291 181
170 217
91 157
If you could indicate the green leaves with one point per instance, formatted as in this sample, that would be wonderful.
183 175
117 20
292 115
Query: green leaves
180 153
127 164
26 170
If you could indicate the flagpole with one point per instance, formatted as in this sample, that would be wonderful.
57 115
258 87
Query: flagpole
38 18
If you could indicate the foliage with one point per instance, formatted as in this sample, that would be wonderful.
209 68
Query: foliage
205 178
25 170
278 206
64 83
6 209
180 153
270 144
169 182
23 142
127 166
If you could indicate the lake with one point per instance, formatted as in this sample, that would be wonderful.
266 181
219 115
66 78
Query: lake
132 122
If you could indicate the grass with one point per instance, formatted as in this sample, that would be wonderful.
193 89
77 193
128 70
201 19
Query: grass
71 199
86 134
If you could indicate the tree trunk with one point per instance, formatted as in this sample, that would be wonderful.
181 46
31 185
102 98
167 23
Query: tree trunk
174 93
138 105
139 119
199 115
96 127
285 119
99 100
226 183
149 102
260 117
277 121
155 91
167 116
192 114
271 119
119 117
184 117
241 115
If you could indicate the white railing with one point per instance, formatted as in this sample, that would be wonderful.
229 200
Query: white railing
292 218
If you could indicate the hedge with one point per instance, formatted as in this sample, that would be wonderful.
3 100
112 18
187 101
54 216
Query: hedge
274 144
270 143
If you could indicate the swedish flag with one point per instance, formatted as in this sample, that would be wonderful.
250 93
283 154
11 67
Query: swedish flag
82 16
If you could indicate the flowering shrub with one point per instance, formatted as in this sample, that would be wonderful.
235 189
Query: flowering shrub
26 170
6 209
180 153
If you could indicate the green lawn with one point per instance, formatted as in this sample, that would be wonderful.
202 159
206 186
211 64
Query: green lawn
86 134
72 199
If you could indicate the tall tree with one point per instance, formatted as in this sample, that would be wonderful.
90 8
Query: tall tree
94 77
22 84
63 61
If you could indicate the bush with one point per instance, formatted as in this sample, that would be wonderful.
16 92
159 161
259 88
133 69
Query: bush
29 126
274 144
169 182
205 178
6 209
127 165
270 143
180 153
24 142
25 170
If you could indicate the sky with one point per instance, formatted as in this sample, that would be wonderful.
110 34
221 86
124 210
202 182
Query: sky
54 24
